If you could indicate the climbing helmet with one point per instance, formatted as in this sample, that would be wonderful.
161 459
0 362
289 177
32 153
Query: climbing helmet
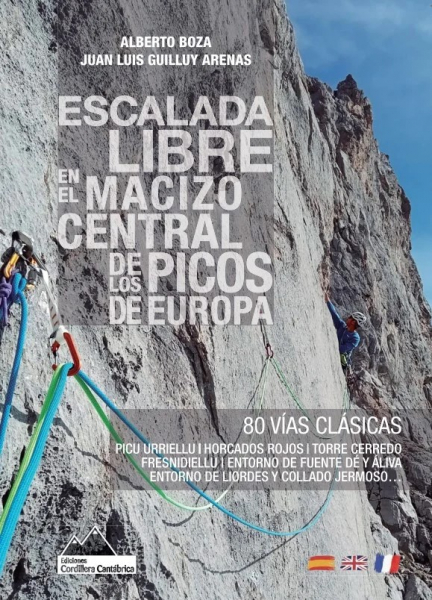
360 318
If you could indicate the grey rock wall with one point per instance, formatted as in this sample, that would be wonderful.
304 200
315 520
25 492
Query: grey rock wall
340 218
372 270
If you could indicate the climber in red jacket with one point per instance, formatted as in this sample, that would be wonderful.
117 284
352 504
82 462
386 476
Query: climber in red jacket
346 331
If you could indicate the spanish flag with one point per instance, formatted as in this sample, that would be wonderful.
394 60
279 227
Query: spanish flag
321 563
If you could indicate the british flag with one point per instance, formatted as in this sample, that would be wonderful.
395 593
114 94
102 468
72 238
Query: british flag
354 563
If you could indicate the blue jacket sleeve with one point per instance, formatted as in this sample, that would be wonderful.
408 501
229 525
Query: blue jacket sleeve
350 342
337 321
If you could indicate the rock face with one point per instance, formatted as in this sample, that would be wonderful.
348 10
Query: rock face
340 218
372 271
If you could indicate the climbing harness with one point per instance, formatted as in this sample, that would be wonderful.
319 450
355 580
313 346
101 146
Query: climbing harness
20 266
12 290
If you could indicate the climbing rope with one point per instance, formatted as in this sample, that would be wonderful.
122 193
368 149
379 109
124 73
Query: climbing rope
115 435
31 461
17 295
298 403
35 449
192 485
143 474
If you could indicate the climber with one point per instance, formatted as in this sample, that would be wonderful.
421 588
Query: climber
347 334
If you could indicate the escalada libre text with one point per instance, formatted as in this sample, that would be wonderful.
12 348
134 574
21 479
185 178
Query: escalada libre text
186 224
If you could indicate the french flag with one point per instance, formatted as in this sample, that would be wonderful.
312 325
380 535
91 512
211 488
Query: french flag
388 563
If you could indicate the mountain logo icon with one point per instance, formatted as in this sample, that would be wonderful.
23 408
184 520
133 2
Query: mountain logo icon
94 544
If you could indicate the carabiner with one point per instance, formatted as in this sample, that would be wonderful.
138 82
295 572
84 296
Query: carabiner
7 271
269 350
73 351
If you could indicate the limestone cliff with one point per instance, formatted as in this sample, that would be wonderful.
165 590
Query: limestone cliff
340 219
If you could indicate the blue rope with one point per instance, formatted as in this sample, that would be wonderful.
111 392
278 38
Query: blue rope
140 436
18 285
23 489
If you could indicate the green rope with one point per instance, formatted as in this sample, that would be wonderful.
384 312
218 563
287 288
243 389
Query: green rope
116 436
285 384
32 443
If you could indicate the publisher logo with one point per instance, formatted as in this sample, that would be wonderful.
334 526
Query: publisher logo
93 555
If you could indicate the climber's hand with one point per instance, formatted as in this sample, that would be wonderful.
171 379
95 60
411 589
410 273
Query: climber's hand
327 297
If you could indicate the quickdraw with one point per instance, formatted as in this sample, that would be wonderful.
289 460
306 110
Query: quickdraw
21 258
62 331
269 350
